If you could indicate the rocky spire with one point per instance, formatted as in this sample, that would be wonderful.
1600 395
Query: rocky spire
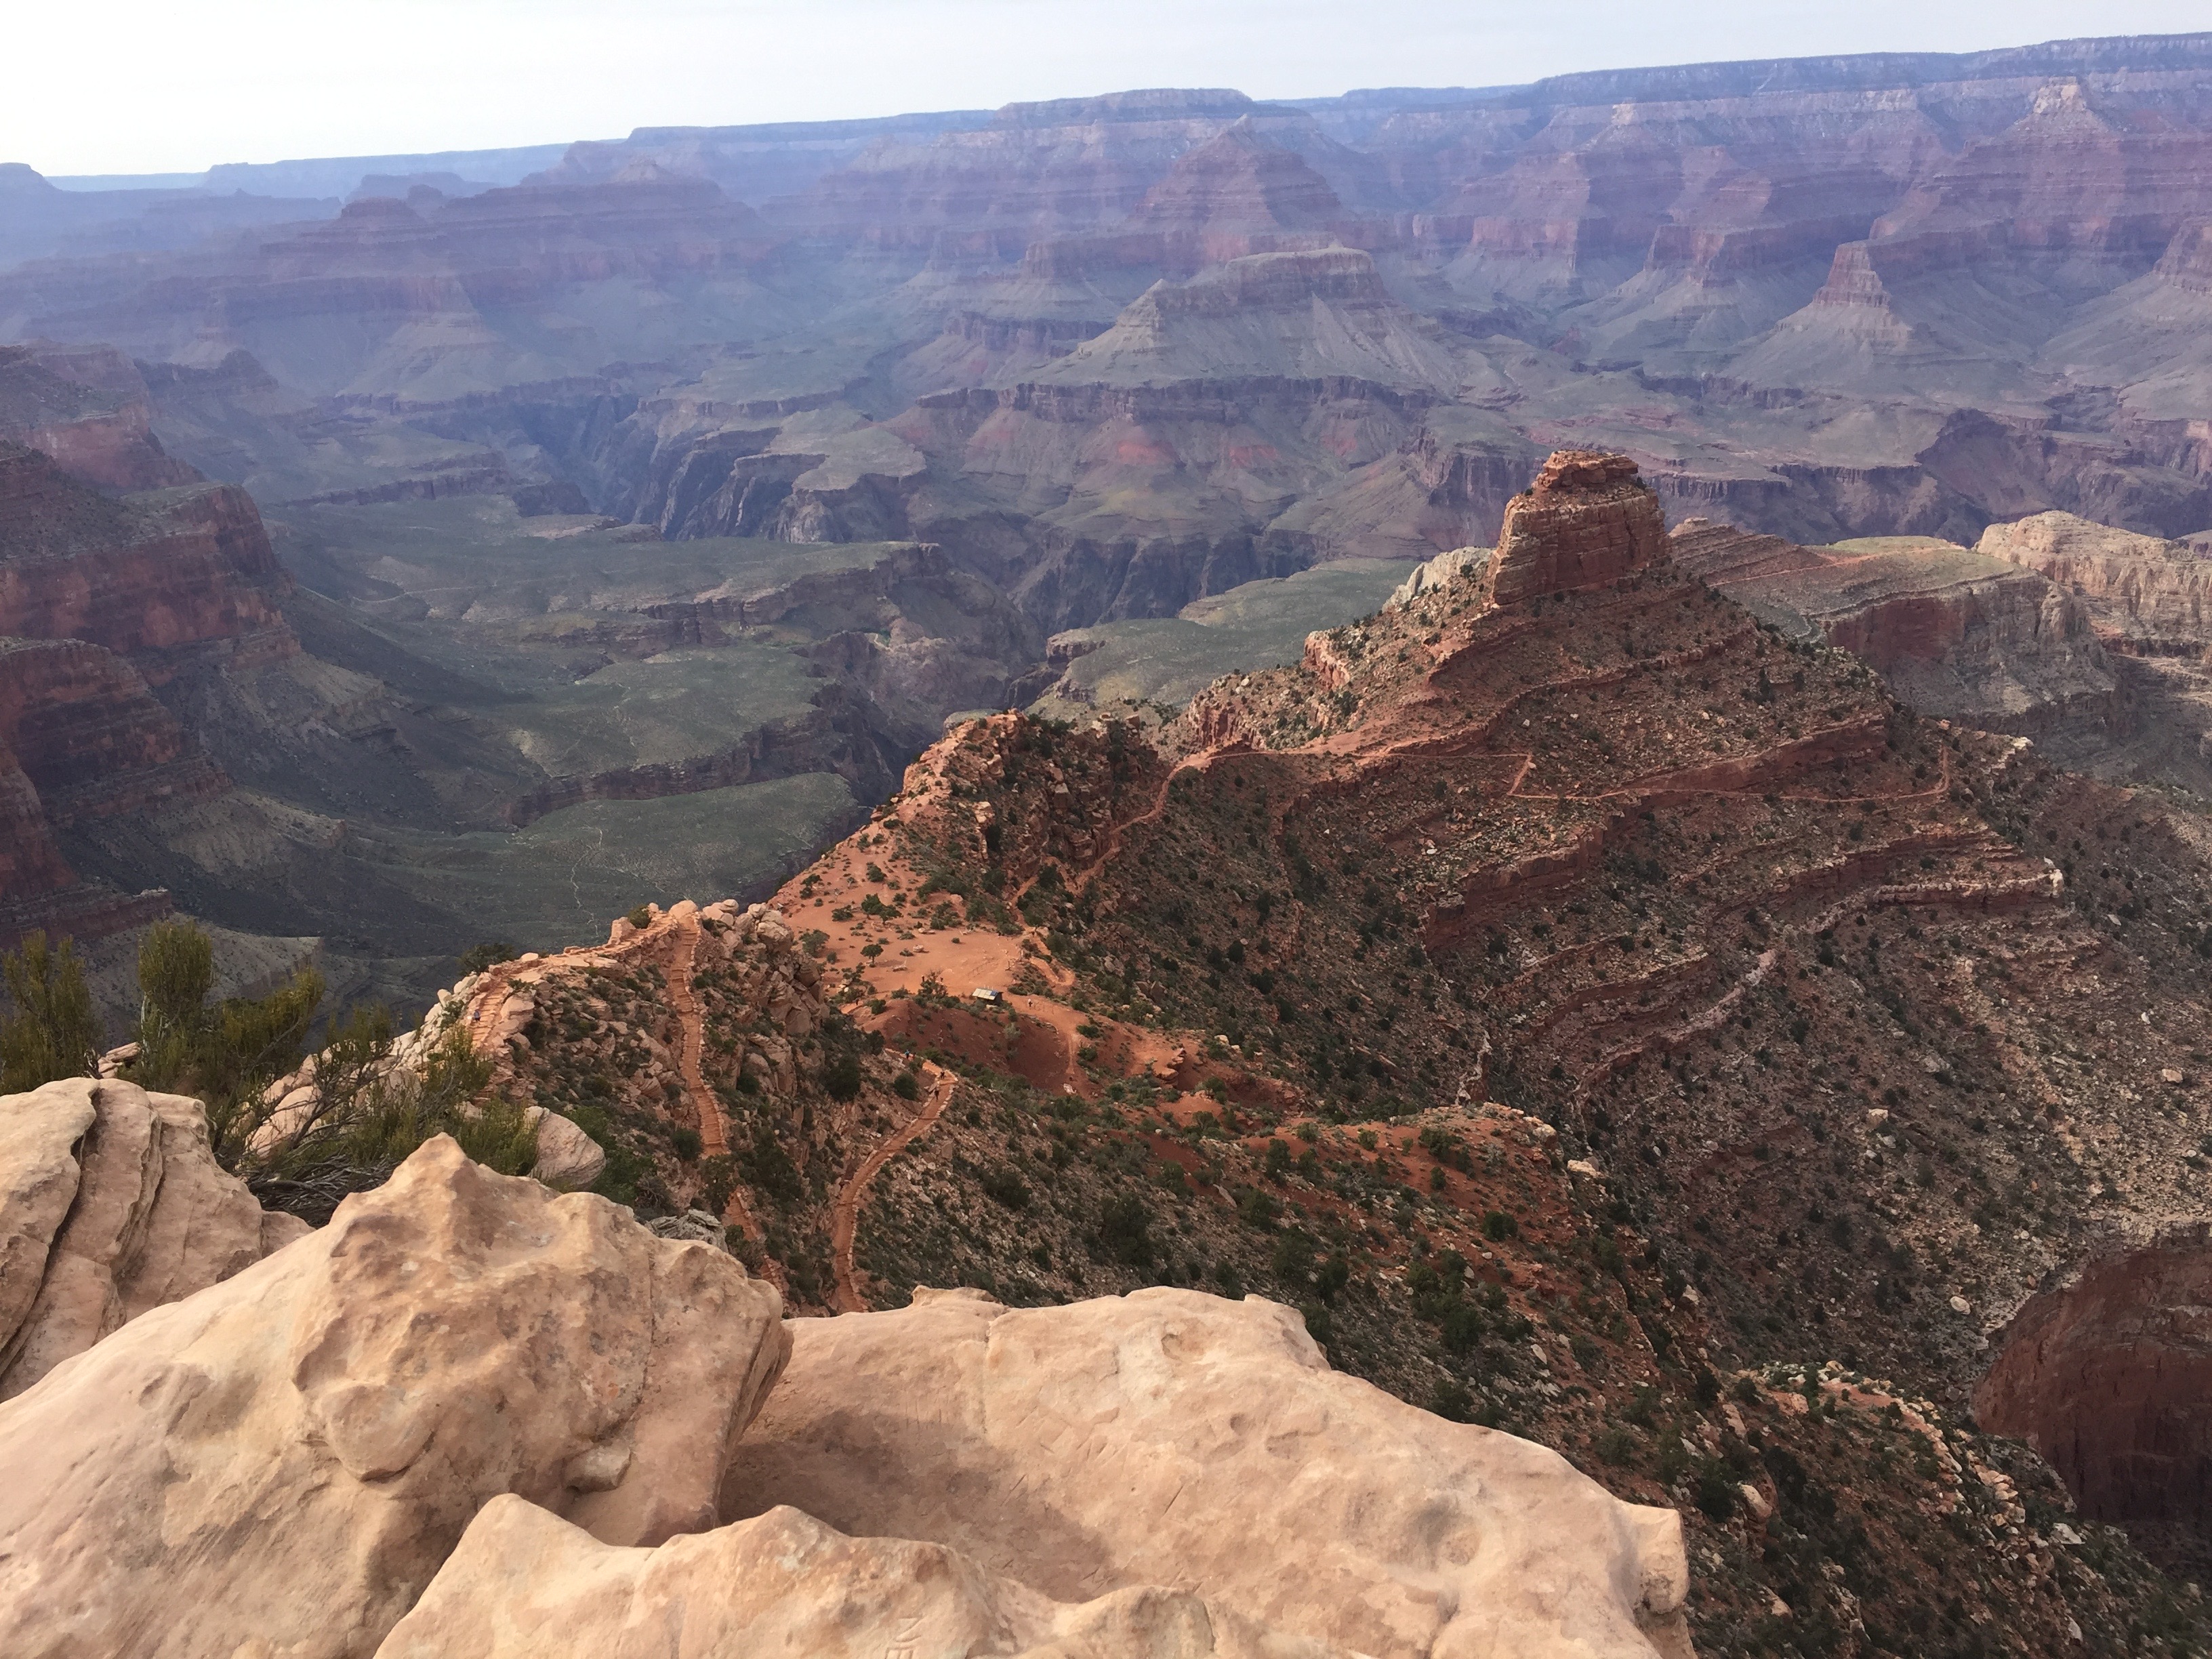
1587 520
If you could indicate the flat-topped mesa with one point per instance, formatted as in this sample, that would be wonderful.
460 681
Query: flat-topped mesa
1587 521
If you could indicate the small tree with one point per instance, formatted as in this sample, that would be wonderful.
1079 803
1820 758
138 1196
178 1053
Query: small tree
53 1032
176 971
489 954
227 1052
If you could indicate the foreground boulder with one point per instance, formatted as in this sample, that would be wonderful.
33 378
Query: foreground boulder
279 1464
525 1584
111 1203
1170 1438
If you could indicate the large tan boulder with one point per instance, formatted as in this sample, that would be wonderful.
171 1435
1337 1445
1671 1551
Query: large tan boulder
39 1172
279 1464
525 1584
149 1216
568 1158
1175 1439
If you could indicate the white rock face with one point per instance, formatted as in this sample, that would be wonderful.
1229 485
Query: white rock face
1435 573
279 1464
1171 1439
568 1158
111 1203
525 1584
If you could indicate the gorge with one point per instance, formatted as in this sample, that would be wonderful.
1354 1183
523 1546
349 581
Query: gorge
1448 848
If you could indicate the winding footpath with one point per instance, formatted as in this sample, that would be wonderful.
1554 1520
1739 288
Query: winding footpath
714 1123
845 1215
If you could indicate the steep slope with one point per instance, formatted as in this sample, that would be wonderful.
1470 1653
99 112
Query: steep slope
1572 831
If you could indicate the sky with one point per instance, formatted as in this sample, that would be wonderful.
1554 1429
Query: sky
151 86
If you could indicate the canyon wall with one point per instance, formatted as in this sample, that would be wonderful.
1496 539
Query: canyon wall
2107 1375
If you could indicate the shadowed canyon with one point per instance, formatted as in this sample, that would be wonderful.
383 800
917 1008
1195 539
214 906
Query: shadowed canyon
1421 873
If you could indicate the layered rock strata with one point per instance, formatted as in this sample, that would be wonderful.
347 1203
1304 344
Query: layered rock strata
2149 597
1959 635
1586 521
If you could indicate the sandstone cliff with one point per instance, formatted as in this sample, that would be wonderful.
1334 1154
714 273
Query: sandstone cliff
302 1444
1587 521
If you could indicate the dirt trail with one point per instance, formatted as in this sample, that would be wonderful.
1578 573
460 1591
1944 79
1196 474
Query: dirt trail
713 1127
845 1215
713 1123
504 978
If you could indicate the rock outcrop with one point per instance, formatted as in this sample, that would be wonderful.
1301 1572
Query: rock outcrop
2108 1376
2149 597
1214 1451
1587 521
525 1584
281 1463
142 576
113 1205
88 409
1959 635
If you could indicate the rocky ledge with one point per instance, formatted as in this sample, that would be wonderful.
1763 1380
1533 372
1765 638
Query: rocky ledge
472 1415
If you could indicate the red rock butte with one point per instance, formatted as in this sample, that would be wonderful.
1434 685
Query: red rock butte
1589 519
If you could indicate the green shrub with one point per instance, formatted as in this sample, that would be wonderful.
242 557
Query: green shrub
489 954
225 1054
1003 1187
841 1076
1125 1229
1451 1400
1716 1493
370 1116
53 1032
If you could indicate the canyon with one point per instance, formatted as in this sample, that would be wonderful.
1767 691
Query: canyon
1572 1075
1499 792
578 433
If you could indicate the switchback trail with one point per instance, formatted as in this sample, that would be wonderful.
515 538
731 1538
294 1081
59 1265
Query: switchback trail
845 1216
714 1125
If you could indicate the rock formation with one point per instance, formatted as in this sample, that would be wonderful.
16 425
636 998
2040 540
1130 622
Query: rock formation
2150 597
525 1582
88 408
2146 598
287 1458
1961 636
1586 521
114 1205
2106 1376
1218 1452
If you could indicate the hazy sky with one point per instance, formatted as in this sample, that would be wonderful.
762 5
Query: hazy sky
131 86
